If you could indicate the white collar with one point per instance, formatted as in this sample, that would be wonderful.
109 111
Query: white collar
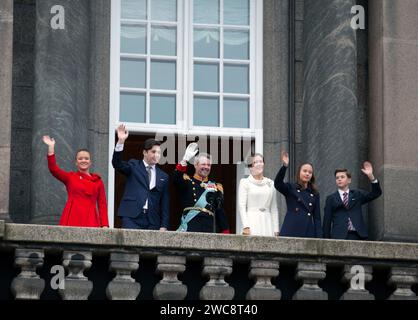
147 165
342 192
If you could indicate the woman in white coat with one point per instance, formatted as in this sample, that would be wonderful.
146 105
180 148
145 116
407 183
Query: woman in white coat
257 201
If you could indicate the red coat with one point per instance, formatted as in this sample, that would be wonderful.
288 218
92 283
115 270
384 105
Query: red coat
84 191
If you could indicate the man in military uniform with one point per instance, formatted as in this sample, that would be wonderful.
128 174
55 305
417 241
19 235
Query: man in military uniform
201 198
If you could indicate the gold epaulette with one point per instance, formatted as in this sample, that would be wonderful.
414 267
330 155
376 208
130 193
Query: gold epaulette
186 177
220 187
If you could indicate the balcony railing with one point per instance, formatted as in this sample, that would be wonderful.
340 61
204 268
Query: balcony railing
133 264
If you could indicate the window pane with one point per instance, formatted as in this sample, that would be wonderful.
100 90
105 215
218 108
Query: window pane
164 10
163 109
236 12
206 111
236 45
206 11
236 78
132 73
134 9
206 77
163 41
236 113
133 39
163 75
132 107
206 43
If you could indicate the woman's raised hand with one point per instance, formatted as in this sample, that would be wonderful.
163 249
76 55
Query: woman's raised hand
285 158
48 140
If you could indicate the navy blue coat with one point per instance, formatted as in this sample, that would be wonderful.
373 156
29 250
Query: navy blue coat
303 216
336 214
137 191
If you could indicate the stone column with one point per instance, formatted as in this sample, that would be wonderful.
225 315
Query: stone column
217 288
357 290
76 286
6 63
123 286
262 271
61 100
170 288
98 127
393 75
28 285
403 279
275 80
310 273
331 126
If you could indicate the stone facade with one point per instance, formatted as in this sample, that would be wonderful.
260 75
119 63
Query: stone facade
317 75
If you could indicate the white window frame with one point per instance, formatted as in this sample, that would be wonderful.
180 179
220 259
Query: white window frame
184 81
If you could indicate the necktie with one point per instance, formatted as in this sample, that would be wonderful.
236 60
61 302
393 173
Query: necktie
345 201
149 168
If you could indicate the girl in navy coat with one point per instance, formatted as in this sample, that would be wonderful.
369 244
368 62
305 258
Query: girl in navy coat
303 217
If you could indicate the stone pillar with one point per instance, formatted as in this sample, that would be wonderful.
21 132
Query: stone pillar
275 87
217 288
76 286
310 273
98 126
357 290
61 100
331 126
403 279
28 285
263 271
393 117
123 286
170 288
6 63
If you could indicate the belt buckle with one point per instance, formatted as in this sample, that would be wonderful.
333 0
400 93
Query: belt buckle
262 209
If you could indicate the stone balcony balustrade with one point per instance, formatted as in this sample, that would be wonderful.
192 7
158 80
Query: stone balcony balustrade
52 262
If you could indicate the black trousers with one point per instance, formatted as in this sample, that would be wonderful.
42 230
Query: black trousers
353 235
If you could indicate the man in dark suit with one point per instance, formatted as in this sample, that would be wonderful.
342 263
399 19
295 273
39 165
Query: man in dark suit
145 201
343 217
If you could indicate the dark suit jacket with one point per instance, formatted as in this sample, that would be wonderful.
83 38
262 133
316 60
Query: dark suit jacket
137 191
303 216
336 214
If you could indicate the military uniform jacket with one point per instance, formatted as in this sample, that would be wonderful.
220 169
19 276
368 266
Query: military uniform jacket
190 189
303 216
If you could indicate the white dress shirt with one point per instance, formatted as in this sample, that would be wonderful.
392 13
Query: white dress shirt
152 180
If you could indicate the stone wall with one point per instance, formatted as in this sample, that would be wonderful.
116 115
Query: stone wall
22 111
394 116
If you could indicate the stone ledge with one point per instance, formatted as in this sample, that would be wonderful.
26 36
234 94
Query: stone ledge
171 240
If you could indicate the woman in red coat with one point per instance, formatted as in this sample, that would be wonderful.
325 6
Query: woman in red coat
84 190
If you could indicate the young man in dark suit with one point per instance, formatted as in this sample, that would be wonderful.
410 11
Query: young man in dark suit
343 217
145 202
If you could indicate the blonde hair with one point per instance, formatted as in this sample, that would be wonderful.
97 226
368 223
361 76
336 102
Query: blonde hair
249 161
